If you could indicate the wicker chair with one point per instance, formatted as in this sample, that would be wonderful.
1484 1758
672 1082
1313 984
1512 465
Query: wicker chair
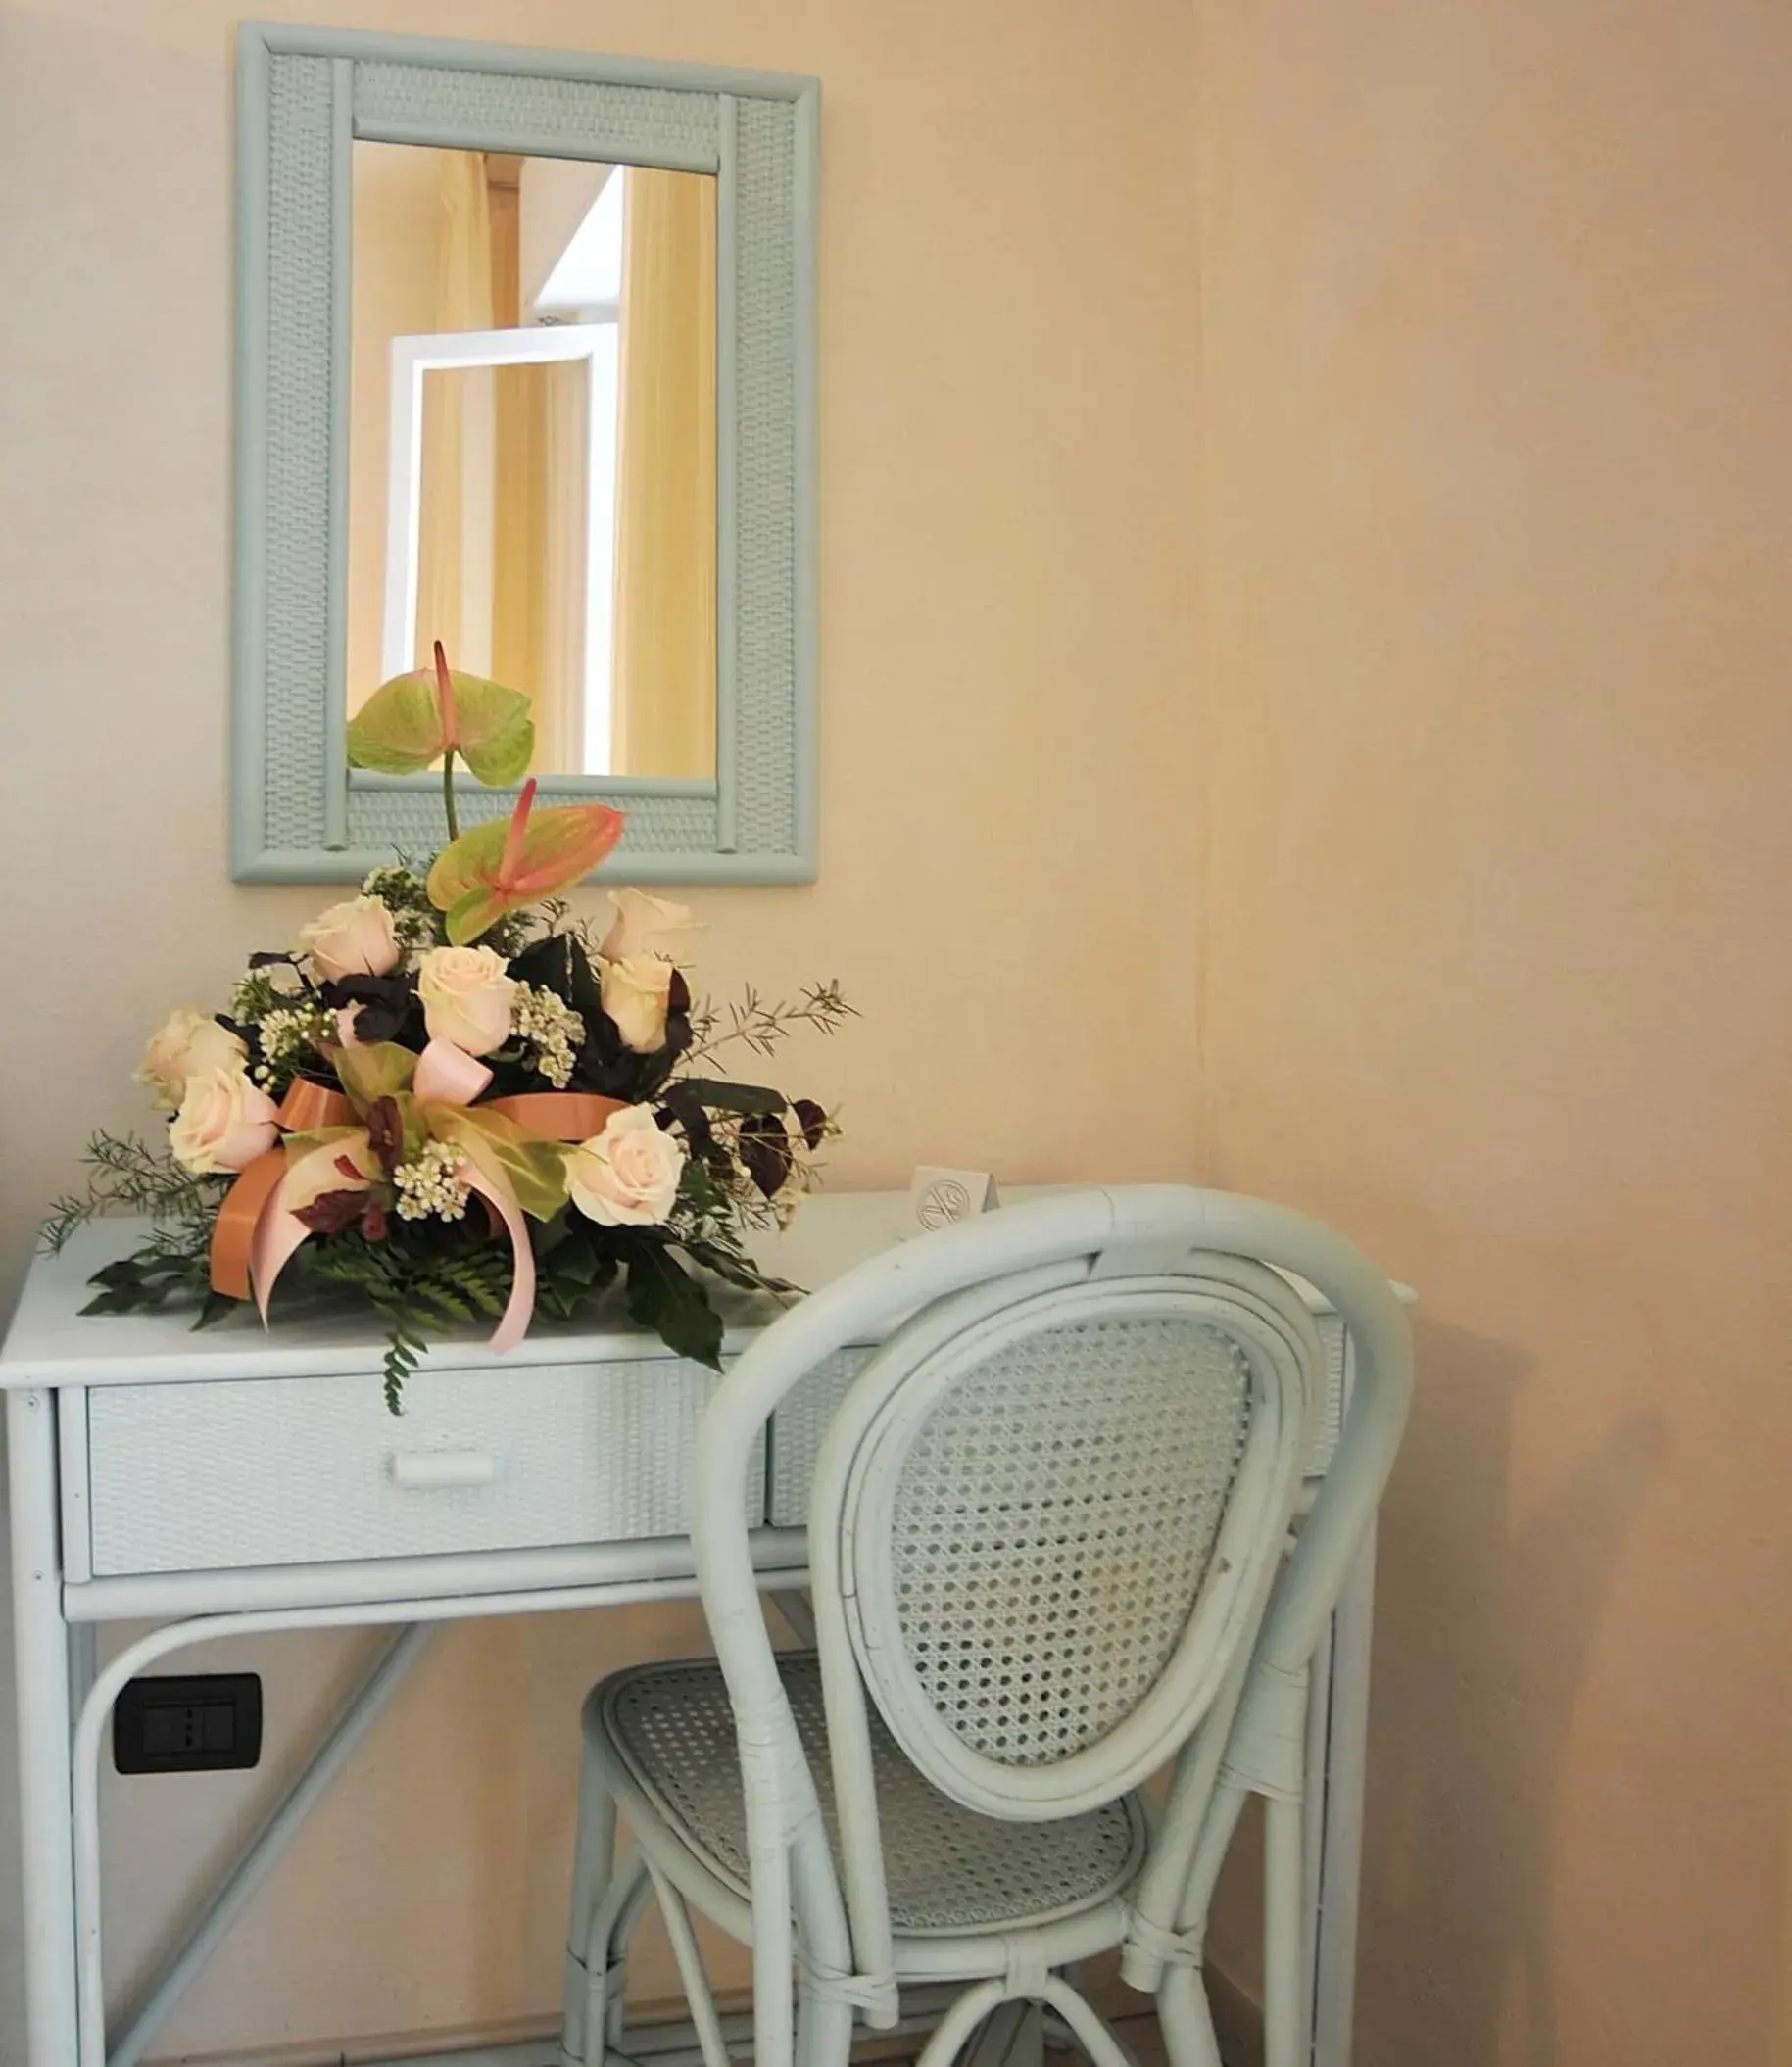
1047 1531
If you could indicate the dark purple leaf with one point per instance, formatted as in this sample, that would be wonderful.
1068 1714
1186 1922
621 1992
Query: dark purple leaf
699 1133
765 1152
813 1122
386 1001
333 1210
386 1134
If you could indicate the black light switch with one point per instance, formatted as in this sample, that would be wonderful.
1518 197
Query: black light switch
208 1722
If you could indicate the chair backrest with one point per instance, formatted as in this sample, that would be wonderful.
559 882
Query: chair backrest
1046 1517
1047 1520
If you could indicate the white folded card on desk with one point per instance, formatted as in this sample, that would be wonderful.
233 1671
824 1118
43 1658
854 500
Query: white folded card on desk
938 1197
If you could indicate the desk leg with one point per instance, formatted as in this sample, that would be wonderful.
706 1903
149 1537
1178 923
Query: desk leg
256 1862
1342 1746
41 1662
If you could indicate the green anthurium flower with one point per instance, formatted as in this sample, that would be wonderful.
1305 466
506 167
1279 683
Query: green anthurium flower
414 719
501 866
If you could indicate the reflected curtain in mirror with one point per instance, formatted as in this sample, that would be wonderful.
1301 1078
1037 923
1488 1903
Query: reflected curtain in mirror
503 477
547 329
664 701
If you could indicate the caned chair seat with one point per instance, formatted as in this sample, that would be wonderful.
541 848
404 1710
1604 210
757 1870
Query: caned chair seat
946 1868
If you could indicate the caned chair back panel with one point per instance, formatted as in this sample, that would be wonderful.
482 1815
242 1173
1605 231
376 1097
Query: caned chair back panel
1056 1516
1050 1534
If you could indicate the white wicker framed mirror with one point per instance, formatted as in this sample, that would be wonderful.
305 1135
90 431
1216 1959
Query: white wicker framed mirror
525 362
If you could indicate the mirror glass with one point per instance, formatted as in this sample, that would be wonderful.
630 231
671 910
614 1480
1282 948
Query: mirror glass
532 435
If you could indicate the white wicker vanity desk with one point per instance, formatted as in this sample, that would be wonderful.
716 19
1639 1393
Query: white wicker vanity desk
235 1481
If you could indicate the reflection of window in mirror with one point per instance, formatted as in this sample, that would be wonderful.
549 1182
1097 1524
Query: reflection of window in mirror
532 443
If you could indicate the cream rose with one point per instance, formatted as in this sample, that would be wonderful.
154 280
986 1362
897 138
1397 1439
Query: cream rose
646 924
354 938
626 1177
185 1043
635 995
225 1122
466 997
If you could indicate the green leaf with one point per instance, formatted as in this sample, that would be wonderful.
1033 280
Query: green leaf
124 1301
398 730
552 1233
722 1096
576 1265
737 1270
126 1272
216 1306
547 965
577 1271
665 1298
584 993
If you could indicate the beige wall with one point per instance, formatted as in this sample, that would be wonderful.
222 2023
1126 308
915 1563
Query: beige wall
1007 618
1497 309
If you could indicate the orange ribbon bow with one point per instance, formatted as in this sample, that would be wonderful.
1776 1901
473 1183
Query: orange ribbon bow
258 1229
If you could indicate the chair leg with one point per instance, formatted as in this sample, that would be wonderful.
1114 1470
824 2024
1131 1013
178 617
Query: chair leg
593 1867
689 1957
595 1845
608 1893
1087 2025
612 1929
1186 2022
1285 2017
956 2026
824 2028
1014 2035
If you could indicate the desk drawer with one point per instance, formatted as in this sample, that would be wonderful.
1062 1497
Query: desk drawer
799 1425
797 1430
304 1470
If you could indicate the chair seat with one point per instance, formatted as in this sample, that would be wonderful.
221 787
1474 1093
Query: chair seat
948 1869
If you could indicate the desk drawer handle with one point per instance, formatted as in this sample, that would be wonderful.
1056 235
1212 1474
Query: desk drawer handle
420 1468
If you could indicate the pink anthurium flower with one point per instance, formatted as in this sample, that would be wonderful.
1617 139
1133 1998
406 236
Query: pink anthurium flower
445 699
500 867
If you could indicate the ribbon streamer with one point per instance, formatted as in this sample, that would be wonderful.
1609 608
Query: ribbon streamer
514 1323
233 1230
307 1106
557 1116
279 1232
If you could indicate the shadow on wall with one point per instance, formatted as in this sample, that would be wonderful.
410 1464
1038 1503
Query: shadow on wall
1479 1598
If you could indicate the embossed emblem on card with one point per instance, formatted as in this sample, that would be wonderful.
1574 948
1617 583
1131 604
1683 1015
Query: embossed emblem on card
936 1198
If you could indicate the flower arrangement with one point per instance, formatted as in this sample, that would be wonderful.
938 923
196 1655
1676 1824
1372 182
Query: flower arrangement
451 1099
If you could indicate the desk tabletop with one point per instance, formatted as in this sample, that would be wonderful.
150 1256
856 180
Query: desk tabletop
50 1342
